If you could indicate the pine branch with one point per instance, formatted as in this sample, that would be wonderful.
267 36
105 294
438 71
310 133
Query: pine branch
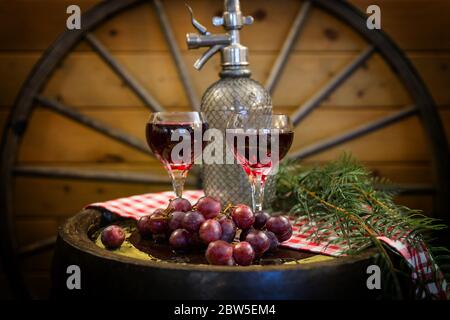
343 193
370 232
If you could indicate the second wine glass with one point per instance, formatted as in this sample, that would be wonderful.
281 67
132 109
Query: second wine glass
259 143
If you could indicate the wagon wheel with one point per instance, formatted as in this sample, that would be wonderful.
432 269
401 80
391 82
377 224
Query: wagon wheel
31 94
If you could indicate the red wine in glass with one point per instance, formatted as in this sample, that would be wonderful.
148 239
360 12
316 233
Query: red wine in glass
255 155
250 138
159 139
166 131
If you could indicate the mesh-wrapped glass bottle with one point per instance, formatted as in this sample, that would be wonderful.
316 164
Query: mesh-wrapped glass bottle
228 182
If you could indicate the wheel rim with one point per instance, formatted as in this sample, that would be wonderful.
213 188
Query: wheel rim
424 107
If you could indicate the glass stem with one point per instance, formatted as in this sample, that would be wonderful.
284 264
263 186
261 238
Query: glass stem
257 184
178 179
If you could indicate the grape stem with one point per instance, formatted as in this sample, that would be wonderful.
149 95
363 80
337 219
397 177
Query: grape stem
228 207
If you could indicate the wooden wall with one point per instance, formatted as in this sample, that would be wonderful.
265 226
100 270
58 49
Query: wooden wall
83 81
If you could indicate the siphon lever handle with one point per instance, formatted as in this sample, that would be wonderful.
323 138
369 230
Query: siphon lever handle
197 25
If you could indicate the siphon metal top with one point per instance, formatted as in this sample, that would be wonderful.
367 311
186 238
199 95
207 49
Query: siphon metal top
234 56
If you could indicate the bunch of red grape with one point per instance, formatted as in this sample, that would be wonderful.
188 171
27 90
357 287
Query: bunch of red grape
205 224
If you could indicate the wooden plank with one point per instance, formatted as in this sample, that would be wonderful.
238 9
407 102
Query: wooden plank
403 173
159 77
59 198
66 141
435 71
414 24
80 143
399 172
374 84
47 199
34 25
322 32
16 68
404 140
75 83
137 29
63 198
424 203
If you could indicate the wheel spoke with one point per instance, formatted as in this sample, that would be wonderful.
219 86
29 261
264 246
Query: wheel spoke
176 54
137 88
103 175
37 247
287 47
94 124
355 133
332 85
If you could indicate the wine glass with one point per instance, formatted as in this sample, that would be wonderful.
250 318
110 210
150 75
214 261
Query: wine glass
176 140
259 143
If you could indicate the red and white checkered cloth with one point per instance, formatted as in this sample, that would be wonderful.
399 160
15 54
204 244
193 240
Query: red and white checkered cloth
418 258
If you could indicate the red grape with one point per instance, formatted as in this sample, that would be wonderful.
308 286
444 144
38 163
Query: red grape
210 231
243 216
259 241
112 237
192 221
180 239
195 239
243 253
278 224
176 219
143 226
231 262
219 252
228 229
261 219
273 241
208 207
285 236
160 237
179 204
245 232
158 223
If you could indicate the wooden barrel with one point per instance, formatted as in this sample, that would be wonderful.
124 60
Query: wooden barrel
107 274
